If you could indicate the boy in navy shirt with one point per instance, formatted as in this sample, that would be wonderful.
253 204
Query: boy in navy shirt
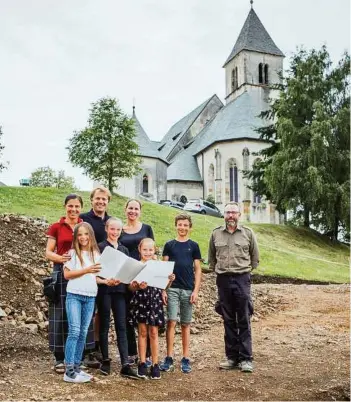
183 292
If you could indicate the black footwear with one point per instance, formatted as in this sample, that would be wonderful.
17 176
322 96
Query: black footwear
91 361
105 367
129 372
142 370
155 372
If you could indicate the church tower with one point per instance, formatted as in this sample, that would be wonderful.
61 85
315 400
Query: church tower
254 62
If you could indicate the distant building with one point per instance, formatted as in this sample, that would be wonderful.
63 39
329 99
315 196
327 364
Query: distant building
205 152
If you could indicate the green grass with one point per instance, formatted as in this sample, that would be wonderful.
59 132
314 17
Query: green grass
285 251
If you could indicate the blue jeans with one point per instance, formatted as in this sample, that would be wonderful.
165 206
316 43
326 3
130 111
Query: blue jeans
79 311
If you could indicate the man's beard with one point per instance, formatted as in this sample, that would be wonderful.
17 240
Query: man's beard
231 224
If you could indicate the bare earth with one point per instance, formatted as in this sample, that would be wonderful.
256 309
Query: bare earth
301 353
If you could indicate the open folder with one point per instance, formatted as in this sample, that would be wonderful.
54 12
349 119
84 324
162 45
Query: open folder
156 273
117 265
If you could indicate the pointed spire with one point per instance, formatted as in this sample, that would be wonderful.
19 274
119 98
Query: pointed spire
253 36
251 2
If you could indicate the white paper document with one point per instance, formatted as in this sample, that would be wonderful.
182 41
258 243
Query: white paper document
156 273
117 265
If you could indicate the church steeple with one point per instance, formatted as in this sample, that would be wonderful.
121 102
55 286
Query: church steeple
254 60
253 36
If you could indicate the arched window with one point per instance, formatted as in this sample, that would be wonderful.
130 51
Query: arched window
260 73
145 183
266 73
233 80
257 198
232 187
211 179
236 78
246 167
218 164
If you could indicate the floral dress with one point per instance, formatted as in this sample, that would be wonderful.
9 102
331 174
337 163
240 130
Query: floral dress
147 307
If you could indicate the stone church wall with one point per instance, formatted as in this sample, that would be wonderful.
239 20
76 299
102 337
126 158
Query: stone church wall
156 171
176 189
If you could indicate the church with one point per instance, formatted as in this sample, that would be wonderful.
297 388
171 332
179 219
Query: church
204 153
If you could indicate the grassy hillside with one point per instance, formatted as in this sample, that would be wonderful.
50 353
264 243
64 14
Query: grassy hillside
285 251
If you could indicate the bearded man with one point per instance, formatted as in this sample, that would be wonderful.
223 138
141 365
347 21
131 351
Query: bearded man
233 254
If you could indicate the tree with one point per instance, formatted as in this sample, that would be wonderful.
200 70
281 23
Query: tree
307 167
47 177
63 181
105 149
2 165
43 177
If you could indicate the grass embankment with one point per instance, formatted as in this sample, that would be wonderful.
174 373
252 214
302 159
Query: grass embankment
285 251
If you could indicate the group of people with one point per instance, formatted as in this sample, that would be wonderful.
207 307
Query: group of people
79 321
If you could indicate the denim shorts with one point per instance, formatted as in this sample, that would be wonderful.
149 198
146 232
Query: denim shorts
179 300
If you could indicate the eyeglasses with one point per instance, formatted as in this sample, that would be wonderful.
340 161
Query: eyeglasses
231 212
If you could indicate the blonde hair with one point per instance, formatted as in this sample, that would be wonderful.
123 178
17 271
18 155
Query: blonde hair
92 245
145 240
103 190
111 220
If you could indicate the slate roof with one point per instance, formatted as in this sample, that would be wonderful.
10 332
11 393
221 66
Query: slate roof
236 120
253 36
175 133
147 147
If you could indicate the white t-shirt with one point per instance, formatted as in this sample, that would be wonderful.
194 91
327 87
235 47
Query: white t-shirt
84 285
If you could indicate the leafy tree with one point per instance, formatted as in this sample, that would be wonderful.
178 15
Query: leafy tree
43 177
47 177
210 198
105 149
306 168
63 181
2 165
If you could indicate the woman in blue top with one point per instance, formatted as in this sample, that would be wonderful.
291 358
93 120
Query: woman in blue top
133 232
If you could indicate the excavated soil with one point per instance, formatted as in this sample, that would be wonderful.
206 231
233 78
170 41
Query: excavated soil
300 339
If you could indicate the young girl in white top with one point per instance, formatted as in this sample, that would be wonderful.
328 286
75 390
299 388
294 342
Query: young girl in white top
80 271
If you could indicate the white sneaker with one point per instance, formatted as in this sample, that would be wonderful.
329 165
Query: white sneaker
78 378
84 374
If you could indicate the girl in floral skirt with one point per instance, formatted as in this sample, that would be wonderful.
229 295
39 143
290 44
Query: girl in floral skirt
147 314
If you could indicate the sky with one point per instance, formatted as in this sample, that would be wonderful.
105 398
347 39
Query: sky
56 58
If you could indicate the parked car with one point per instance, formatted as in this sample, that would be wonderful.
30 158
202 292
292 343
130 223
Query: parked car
173 204
202 207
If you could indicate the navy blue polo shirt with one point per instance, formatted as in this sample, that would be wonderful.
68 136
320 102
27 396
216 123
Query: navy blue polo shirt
103 289
97 223
183 254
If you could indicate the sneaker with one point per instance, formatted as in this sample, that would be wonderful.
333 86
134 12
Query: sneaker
185 365
78 370
91 361
155 372
75 378
148 362
59 367
246 366
142 370
132 360
229 364
129 372
105 367
167 364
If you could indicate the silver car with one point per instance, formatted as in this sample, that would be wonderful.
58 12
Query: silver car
202 207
